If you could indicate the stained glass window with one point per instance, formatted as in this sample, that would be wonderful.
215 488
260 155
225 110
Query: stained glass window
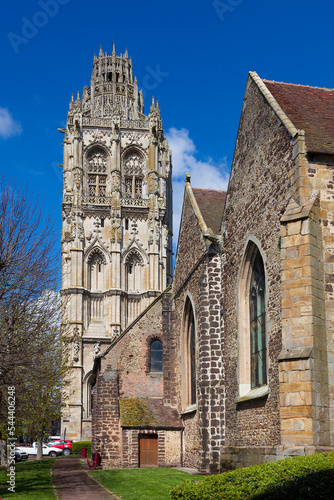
257 313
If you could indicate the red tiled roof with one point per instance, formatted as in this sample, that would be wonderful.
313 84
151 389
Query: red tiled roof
211 204
310 109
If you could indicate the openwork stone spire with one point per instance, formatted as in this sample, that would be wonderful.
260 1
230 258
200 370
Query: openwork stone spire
112 89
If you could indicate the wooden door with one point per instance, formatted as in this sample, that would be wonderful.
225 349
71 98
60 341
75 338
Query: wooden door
148 450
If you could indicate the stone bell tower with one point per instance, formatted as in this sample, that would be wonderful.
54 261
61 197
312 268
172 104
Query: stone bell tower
117 220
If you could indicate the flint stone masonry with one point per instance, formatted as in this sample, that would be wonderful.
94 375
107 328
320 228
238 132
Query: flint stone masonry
256 199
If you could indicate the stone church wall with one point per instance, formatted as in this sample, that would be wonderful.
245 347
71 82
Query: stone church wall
257 193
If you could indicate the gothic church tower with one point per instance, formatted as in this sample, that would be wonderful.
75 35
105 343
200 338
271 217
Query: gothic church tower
117 220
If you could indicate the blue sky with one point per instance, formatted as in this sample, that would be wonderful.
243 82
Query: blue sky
192 55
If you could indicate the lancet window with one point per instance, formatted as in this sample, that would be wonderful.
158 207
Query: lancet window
133 267
252 322
189 383
96 263
257 317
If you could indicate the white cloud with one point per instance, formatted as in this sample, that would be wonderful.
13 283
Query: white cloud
204 174
8 126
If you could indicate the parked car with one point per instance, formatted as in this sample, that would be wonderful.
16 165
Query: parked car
20 455
46 450
65 446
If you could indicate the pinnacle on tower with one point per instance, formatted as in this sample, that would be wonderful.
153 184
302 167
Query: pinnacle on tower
101 52
113 49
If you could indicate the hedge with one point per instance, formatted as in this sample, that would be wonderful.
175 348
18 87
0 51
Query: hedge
76 447
298 478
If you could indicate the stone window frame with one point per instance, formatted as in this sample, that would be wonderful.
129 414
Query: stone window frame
133 265
95 257
147 355
246 392
188 404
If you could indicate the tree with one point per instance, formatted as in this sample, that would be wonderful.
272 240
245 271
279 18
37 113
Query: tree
33 354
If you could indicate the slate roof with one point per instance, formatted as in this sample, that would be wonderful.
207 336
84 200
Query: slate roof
146 412
211 204
310 109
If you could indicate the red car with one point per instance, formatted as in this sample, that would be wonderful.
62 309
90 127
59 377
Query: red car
66 446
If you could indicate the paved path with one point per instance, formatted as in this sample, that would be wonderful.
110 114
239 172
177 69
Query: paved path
73 482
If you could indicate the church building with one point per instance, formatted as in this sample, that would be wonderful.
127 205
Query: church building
233 360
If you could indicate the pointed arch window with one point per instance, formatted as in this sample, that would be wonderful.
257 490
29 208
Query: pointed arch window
133 267
252 325
96 263
257 318
90 391
188 358
156 356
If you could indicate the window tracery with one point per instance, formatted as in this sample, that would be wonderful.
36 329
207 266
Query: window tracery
96 166
133 171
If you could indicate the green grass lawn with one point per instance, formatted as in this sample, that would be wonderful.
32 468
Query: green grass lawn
142 484
32 480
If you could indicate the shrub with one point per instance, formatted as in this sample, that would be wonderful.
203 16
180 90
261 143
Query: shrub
298 478
76 447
